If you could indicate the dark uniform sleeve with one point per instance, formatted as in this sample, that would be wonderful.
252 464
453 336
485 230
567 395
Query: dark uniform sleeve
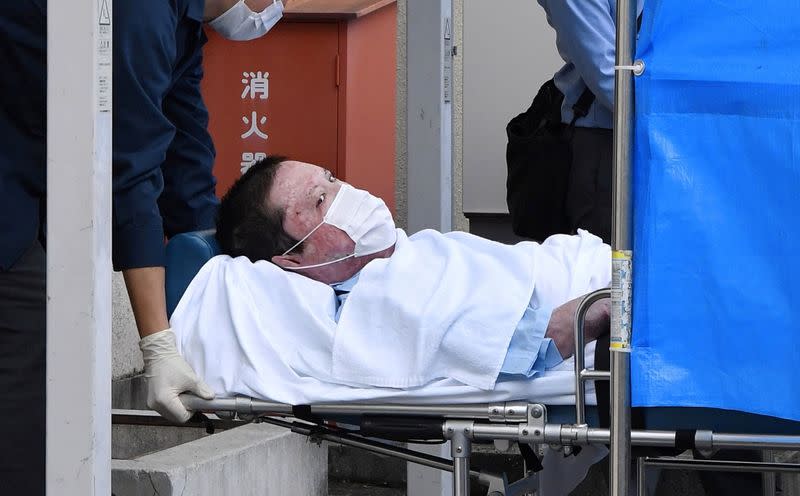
144 53
189 202
162 150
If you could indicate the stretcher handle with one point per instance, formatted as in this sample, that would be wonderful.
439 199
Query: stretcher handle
238 404
581 373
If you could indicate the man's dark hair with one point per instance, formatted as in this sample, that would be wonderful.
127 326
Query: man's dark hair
246 224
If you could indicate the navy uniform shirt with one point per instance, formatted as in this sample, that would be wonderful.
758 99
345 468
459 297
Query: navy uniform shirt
162 151
23 96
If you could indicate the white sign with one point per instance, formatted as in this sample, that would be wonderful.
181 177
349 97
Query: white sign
103 57
250 158
255 83
448 61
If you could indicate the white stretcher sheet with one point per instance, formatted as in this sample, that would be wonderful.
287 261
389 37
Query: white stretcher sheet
255 330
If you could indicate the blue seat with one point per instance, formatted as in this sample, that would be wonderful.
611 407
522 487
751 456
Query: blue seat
186 254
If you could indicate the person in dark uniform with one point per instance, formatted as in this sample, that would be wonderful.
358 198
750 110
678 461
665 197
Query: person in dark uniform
162 183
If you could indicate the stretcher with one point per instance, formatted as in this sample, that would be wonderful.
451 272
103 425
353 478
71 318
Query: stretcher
529 424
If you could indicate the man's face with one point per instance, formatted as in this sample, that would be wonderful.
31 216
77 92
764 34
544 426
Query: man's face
305 192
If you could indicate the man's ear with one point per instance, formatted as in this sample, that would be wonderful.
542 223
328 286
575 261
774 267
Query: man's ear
287 261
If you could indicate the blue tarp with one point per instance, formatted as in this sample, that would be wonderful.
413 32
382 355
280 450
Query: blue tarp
716 197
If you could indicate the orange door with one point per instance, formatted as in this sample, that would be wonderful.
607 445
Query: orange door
274 95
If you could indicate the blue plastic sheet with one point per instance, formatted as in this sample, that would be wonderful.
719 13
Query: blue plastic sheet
716 197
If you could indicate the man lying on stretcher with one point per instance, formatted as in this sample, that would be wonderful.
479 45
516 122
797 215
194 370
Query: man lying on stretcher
412 310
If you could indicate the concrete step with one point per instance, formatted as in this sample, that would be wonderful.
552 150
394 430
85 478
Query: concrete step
254 459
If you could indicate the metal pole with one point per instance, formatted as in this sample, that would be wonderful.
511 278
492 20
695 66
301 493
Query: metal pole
620 455
667 438
460 433
460 447
78 401
720 465
623 125
446 411
641 477
755 441
461 476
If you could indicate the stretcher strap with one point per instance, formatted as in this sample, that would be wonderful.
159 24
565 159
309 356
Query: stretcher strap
602 361
303 412
532 462
402 428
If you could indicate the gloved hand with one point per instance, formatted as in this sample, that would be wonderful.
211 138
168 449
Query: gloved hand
167 375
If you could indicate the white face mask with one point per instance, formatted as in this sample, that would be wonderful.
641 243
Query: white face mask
365 218
239 23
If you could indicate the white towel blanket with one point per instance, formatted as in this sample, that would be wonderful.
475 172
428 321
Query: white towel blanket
446 305
255 330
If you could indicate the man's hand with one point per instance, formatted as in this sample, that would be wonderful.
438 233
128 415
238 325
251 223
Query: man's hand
561 327
168 375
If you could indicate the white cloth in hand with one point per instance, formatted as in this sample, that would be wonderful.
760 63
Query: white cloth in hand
167 375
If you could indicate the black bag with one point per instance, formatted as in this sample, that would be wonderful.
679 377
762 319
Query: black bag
538 157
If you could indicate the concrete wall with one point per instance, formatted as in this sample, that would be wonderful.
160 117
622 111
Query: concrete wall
509 52
401 160
127 359
460 223
401 155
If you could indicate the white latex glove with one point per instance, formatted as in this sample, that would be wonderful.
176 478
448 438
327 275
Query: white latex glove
167 375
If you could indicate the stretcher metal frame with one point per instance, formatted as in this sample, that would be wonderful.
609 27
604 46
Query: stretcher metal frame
523 422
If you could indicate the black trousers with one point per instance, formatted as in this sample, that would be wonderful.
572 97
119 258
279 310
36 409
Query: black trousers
588 201
22 375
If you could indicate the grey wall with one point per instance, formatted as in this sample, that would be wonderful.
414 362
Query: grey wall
401 138
508 52
460 222
127 359
401 159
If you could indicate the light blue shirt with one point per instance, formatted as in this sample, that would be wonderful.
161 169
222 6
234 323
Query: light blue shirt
342 290
585 38
529 352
